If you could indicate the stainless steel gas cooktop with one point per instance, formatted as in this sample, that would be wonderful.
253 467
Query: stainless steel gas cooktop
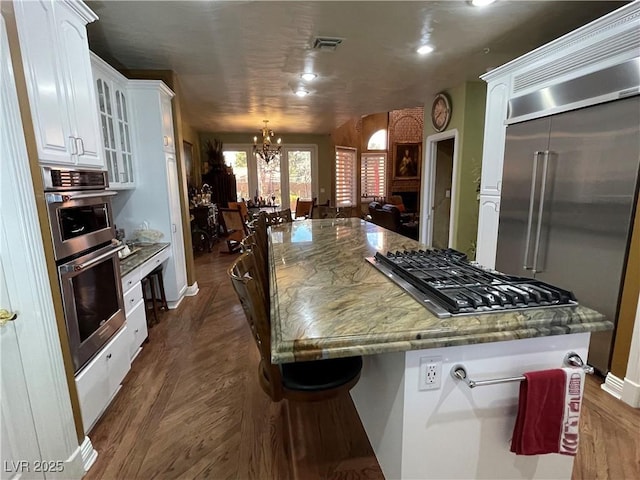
447 284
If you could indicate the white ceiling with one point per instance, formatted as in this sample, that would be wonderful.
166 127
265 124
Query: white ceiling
238 62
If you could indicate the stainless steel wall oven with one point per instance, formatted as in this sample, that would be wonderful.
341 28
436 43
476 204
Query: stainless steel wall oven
83 234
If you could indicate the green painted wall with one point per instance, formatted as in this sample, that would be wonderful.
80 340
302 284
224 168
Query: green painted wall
468 108
326 156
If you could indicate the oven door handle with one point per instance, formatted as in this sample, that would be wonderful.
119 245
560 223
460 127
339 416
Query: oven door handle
101 193
93 261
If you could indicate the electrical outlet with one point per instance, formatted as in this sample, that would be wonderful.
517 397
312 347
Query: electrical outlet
430 373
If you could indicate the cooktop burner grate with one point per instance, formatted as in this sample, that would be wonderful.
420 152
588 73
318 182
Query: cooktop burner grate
446 283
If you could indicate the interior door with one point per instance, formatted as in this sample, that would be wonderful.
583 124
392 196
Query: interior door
18 438
594 161
177 239
442 184
521 188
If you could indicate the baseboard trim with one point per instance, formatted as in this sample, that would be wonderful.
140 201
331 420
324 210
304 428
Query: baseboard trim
192 290
174 305
613 385
88 453
631 393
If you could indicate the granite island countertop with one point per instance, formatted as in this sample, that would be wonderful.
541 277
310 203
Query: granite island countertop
328 301
145 252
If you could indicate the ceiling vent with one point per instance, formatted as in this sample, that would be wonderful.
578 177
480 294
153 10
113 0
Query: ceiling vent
326 44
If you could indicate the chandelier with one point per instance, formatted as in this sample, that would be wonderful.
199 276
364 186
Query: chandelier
267 151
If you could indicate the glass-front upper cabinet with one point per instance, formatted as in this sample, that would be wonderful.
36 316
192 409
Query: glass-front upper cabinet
114 124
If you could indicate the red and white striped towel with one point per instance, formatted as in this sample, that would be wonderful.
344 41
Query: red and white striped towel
549 412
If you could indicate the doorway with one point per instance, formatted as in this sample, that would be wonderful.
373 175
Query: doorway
438 194
281 181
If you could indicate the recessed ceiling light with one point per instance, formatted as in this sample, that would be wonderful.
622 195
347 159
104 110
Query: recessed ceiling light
481 3
308 77
424 49
301 92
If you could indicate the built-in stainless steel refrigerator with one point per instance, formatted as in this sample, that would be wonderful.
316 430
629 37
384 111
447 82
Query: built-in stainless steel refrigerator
568 195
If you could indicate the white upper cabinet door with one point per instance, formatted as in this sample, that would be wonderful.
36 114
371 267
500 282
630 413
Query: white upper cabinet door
115 126
124 136
55 54
167 125
105 109
74 48
47 96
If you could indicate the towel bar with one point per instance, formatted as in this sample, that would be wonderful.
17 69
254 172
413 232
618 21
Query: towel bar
459 372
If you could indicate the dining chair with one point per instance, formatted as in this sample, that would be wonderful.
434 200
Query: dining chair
250 244
299 381
234 227
303 208
242 206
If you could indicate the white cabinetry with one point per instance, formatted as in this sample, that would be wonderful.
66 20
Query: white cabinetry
55 55
156 198
168 140
135 312
608 41
100 380
113 108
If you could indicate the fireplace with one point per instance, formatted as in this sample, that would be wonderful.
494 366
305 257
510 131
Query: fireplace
409 199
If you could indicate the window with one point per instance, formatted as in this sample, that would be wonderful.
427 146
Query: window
345 176
238 161
378 141
291 175
372 174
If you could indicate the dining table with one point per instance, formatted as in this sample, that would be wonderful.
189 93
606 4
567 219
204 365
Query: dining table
328 301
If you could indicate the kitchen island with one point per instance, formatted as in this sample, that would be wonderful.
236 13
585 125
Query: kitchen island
328 301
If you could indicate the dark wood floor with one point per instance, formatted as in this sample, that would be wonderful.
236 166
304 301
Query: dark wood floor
191 407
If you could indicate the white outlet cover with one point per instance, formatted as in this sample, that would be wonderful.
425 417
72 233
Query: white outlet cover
430 374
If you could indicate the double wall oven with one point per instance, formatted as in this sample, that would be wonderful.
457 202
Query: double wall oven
86 254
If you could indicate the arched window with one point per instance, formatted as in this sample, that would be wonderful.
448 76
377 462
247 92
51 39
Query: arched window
378 141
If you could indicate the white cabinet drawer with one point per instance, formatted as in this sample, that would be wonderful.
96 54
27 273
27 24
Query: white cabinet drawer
137 324
154 261
131 298
98 382
118 360
130 279
93 391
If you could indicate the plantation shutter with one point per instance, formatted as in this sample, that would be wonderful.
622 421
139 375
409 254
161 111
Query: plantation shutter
345 176
372 174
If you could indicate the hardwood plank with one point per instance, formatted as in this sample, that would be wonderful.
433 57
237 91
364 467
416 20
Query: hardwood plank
191 407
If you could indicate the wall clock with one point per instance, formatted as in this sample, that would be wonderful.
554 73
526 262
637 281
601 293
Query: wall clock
440 112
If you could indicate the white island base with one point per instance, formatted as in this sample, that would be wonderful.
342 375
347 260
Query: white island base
454 431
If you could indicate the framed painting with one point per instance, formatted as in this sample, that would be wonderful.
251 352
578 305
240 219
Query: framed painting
407 160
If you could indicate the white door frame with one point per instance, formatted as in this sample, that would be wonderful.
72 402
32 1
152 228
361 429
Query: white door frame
428 186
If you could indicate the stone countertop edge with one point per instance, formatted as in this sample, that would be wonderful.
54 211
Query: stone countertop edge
580 320
146 251
417 329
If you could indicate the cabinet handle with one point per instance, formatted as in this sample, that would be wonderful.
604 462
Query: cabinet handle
165 139
108 356
133 300
80 142
136 330
73 145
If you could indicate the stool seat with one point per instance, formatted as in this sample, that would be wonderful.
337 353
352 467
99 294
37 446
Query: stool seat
153 293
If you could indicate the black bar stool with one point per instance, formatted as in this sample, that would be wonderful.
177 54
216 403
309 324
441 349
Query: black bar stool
153 293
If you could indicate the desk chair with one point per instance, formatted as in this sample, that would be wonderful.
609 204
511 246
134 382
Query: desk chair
300 381
234 227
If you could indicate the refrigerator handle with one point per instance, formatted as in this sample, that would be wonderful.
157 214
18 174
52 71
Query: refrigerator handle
543 188
532 195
